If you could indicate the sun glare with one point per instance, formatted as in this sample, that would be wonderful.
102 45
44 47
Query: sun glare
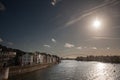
97 24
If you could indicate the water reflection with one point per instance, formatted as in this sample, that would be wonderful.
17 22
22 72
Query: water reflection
75 70
100 66
100 72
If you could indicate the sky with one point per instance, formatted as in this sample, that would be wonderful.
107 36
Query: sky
61 27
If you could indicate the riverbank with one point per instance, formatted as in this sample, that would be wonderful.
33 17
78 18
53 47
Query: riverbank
105 59
17 70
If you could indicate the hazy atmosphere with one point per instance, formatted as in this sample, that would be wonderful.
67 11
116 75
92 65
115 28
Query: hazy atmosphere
66 28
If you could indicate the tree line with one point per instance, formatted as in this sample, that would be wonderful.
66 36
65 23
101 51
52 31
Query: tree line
110 59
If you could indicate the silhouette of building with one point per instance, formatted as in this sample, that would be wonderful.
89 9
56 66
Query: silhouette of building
6 58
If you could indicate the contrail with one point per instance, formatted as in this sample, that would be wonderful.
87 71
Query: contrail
92 10
107 38
102 38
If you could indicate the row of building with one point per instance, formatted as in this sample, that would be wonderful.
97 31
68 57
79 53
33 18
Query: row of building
38 58
17 58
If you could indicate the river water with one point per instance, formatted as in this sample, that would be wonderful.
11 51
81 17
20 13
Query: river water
75 70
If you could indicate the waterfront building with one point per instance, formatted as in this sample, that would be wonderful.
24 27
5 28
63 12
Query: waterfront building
27 59
6 58
58 59
38 57
43 57
54 58
51 59
48 58
18 57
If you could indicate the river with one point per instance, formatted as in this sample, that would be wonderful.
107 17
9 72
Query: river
75 70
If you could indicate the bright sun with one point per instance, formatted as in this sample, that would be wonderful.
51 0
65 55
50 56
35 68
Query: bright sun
97 24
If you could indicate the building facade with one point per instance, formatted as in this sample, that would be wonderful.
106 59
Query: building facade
6 58
27 59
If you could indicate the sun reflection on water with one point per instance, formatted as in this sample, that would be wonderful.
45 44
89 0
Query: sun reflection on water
101 72
100 66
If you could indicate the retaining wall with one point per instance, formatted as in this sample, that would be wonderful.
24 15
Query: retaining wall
16 70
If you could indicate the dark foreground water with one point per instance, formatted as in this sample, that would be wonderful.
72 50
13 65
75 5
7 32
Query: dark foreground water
74 70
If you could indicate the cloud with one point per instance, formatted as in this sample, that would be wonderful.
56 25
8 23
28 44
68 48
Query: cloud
46 46
53 40
2 7
85 47
108 48
94 48
53 2
79 48
68 45
1 40
10 43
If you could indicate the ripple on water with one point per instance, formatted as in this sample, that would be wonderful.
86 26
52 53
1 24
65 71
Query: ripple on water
75 70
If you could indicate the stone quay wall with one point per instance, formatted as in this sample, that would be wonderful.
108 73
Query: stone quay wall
17 70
